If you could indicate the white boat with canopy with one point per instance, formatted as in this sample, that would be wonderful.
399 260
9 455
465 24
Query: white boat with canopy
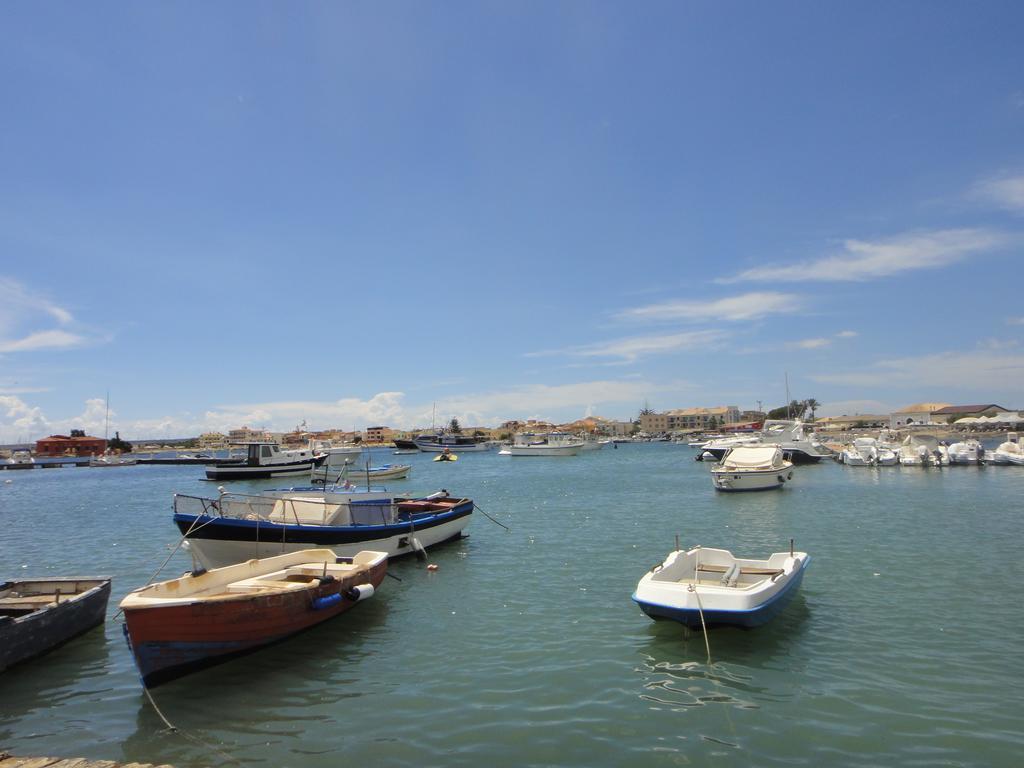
752 468
547 444
1009 452
923 451
966 452
867 452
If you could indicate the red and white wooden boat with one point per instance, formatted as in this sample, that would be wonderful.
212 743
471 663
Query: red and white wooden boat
207 617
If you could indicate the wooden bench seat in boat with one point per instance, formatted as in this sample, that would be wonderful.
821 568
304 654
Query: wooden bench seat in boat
748 571
31 600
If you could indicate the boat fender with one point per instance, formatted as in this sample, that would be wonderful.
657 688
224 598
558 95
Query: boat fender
327 601
790 475
360 592
730 576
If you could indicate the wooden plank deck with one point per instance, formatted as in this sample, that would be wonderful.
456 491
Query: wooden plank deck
10 761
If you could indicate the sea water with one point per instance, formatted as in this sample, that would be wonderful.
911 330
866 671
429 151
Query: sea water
523 647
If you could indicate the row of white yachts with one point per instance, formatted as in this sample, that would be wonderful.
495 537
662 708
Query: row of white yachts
764 461
928 451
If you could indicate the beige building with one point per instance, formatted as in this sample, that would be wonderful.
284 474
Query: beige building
379 434
212 440
688 419
918 413
246 435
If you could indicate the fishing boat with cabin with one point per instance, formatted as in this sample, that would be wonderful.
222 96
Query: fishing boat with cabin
207 617
265 460
712 587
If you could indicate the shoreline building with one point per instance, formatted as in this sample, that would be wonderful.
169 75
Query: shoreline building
75 444
683 419
918 413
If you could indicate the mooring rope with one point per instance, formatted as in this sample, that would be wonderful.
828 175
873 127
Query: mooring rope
479 509
174 729
700 608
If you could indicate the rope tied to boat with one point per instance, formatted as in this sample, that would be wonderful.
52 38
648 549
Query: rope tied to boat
479 509
177 546
700 608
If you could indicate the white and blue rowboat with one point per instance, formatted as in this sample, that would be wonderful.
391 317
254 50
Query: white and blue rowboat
355 473
728 590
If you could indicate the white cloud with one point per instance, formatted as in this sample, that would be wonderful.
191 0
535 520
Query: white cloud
17 301
55 339
1015 321
864 260
986 371
631 349
748 306
819 343
1006 192
22 421
812 343
24 317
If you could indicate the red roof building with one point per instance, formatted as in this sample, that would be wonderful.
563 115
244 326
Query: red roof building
75 445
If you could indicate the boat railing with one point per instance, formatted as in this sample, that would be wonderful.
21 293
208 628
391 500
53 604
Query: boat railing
288 511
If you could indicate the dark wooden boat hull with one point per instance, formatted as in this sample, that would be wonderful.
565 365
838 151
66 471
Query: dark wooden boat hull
171 641
33 634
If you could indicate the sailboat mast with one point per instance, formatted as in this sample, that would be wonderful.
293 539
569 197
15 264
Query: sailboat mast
106 418
789 410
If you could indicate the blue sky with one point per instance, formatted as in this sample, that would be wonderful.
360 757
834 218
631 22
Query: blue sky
259 213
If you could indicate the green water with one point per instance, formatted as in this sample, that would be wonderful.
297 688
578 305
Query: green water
903 647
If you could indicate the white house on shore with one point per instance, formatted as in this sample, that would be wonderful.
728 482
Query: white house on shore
918 413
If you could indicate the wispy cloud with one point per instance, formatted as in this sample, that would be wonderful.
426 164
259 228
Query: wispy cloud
25 317
812 343
864 260
635 347
823 341
989 372
1006 192
55 339
748 306
1015 321
17 300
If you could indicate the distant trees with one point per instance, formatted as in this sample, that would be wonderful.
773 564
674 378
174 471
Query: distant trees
796 409
454 427
118 445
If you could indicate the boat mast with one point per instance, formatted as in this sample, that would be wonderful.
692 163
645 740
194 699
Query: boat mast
789 411
106 418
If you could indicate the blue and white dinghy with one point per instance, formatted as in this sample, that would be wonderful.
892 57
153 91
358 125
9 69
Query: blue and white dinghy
726 589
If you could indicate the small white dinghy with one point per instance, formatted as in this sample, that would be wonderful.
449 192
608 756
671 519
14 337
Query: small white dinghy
726 589
752 468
